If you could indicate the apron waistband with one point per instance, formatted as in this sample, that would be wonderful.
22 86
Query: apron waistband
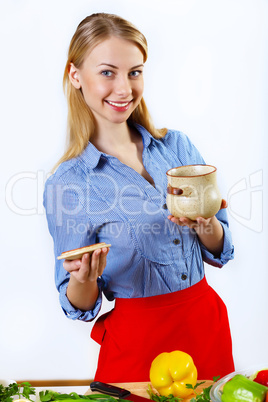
181 296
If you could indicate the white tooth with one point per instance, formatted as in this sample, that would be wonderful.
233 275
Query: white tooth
118 104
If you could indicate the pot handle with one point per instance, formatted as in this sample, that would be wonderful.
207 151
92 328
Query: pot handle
174 190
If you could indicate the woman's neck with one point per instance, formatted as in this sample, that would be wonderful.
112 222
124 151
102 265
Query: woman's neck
113 138
125 143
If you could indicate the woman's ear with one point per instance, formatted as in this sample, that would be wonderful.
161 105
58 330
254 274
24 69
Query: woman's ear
74 76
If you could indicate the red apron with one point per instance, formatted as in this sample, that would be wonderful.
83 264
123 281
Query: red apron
193 320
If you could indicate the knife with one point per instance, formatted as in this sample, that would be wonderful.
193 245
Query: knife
116 392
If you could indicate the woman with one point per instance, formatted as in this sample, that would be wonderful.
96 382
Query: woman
110 187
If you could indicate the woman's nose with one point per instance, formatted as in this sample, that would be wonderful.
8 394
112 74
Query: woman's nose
123 87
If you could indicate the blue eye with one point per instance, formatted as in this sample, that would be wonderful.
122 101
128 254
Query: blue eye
107 73
135 73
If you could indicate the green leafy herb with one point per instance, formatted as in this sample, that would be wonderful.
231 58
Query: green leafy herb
51 396
160 398
205 394
21 390
25 390
202 397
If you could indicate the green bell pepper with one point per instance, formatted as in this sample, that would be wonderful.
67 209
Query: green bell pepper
241 388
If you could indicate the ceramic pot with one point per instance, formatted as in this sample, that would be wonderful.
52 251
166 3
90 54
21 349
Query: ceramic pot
193 191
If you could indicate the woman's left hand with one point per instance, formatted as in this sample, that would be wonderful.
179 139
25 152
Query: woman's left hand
209 231
196 224
199 222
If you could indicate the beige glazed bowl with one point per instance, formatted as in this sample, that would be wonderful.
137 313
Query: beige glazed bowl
193 192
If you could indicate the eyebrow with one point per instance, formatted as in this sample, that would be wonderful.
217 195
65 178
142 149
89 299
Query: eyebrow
111 65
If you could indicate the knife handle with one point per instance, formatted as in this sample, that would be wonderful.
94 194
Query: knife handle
109 389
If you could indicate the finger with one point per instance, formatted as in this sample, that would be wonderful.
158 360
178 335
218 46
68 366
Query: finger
191 224
187 222
71 266
203 221
95 257
94 266
85 263
82 273
103 259
174 219
183 221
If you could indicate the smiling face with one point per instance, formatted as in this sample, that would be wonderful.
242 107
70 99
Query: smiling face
111 80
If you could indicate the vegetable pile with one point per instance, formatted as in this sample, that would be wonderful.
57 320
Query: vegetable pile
172 374
242 388
21 390
25 390
51 396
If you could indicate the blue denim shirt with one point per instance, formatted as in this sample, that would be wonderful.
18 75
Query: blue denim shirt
96 198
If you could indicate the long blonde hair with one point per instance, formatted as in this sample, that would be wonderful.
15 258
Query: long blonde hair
89 33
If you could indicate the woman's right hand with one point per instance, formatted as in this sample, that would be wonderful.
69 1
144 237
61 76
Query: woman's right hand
89 267
82 290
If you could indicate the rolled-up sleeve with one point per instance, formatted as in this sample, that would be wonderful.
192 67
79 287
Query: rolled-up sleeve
75 314
227 253
70 228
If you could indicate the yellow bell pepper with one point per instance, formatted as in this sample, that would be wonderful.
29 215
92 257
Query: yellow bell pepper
170 372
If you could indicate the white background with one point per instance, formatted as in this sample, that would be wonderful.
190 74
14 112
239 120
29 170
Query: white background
207 76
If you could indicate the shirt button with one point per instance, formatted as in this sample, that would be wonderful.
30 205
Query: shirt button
176 241
164 206
184 277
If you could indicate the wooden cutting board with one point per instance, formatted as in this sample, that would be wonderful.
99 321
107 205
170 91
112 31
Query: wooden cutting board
140 388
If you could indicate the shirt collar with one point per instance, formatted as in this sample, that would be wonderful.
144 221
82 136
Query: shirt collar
146 136
91 155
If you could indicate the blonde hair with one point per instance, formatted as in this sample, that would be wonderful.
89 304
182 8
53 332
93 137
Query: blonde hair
89 33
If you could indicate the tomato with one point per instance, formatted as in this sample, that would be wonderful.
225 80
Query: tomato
262 378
